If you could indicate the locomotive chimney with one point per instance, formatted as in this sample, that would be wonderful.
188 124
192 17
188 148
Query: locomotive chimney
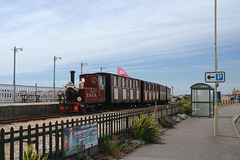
72 76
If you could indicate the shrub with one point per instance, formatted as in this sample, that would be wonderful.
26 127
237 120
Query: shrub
108 146
186 109
166 122
145 127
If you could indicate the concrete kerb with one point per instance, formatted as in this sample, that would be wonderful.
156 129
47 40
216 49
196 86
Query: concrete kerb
235 127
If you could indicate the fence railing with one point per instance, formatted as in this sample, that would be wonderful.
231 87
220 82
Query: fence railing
226 102
48 139
45 93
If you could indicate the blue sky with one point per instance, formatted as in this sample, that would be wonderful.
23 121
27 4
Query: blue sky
169 42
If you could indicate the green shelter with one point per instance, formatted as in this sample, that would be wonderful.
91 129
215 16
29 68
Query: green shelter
202 100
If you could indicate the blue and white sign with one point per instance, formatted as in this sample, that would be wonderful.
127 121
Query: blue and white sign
79 138
211 77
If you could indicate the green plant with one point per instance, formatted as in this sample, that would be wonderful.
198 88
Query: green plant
185 106
126 148
108 146
29 156
145 127
186 109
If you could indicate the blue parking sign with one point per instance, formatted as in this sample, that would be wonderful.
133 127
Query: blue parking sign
219 77
212 77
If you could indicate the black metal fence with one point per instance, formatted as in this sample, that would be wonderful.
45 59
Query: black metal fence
48 139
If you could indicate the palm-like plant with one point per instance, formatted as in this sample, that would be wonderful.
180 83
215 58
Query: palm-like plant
146 128
28 155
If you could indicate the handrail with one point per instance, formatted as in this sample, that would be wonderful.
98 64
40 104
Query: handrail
45 93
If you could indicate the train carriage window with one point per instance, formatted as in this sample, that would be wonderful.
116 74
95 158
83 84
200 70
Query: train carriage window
127 82
123 82
101 82
133 83
115 81
130 82
137 84
119 82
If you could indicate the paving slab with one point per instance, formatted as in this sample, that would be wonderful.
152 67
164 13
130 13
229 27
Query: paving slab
193 139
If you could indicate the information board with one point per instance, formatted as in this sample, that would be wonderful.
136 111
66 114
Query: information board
79 138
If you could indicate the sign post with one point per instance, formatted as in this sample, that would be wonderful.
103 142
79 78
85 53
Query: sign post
215 77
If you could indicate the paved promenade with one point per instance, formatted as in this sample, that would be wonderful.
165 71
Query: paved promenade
193 139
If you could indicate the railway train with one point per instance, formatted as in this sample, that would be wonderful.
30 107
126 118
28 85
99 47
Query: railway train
105 90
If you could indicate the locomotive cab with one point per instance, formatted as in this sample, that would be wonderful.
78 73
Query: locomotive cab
89 95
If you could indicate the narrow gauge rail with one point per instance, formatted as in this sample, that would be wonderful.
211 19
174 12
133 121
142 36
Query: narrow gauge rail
25 119
43 117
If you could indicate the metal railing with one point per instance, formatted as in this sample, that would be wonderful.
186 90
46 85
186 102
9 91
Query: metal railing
48 139
45 93
226 102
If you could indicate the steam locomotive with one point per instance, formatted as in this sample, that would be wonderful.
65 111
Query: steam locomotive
106 90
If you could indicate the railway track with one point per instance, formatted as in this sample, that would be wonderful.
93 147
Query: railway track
44 117
25 119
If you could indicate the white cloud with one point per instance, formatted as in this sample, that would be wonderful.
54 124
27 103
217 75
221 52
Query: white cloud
115 33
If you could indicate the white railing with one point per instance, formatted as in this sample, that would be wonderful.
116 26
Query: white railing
45 93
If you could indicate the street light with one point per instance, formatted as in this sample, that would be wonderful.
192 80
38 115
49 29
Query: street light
216 67
101 68
82 64
14 71
55 58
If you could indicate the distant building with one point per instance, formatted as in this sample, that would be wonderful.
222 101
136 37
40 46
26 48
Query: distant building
236 92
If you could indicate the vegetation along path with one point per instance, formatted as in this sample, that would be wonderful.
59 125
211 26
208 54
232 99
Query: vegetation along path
193 139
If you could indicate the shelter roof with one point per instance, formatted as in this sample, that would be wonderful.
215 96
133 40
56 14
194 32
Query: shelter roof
201 86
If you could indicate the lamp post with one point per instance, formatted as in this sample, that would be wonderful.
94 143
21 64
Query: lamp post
55 58
82 64
215 45
14 72
101 68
